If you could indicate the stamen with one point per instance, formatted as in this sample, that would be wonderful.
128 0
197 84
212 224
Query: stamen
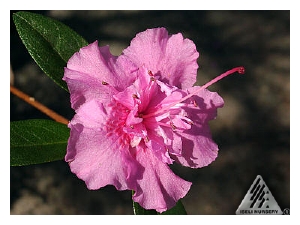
135 96
150 73
188 120
240 70
195 103
167 149
104 83
173 126
146 139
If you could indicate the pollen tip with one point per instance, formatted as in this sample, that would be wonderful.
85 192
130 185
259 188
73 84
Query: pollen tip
241 70
150 73
135 96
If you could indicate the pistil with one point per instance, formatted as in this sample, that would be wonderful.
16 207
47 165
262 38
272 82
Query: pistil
240 70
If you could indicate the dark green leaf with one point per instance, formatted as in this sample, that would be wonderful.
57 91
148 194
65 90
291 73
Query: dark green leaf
178 209
49 42
37 141
138 210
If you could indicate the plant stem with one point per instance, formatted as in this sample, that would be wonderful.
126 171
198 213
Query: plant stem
38 105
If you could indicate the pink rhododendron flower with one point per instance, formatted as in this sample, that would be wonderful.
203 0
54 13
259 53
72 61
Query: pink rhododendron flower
137 113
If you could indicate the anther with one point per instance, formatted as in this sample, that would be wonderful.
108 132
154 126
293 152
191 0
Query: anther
190 122
173 126
104 83
195 103
131 126
150 73
167 149
146 139
135 96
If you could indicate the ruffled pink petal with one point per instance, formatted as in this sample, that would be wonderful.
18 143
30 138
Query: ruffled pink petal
198 148
160 188
173 58
157 146
207 103
91 116
197 151
95 158
125 97
94 72
83 88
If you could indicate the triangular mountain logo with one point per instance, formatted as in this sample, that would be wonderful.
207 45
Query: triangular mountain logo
259 200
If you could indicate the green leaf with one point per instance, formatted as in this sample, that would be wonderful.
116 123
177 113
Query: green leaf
37 141
178 209
49 42
138 210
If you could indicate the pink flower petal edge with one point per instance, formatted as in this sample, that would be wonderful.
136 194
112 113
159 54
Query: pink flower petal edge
171 57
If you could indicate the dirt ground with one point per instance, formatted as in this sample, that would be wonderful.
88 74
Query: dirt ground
252 129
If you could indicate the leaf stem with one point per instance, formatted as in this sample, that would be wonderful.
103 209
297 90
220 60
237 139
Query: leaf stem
38 105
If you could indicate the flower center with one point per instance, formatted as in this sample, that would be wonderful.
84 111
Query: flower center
116 121
150 108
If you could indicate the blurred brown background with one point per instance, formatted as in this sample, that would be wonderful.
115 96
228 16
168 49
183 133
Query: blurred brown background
252 129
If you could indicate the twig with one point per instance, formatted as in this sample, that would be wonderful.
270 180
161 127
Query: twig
39 106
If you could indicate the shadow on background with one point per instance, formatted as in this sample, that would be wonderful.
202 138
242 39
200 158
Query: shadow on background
252 129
